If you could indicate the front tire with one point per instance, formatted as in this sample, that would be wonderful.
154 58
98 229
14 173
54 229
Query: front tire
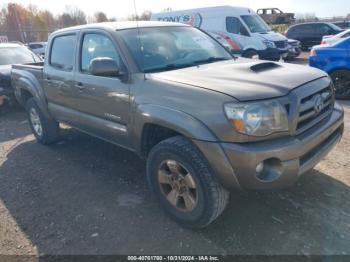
250 54
341 80
45 130
183 183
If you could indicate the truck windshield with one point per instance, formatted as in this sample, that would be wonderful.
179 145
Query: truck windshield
255 24
167 48
17 55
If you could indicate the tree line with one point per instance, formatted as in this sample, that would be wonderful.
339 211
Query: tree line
31 24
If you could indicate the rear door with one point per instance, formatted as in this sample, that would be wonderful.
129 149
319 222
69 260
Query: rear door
59 78
103 101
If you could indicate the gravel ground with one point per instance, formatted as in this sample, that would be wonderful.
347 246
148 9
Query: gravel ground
85 196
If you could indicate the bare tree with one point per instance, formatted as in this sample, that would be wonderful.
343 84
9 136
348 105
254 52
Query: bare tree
72 16
145 16
100 17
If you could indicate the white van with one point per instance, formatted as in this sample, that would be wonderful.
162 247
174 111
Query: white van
238 28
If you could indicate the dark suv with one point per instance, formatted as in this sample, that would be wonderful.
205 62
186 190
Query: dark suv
310 34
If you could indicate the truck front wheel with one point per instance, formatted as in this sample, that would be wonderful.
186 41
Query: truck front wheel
183 183
45 130
341 80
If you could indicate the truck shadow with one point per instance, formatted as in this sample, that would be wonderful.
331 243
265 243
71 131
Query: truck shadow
9 123
84 196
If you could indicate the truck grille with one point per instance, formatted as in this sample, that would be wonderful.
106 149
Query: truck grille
314 108
281 44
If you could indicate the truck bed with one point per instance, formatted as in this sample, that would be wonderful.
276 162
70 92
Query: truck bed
35 68
32 72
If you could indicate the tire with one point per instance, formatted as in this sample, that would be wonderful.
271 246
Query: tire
209 198
48 132
305 48
250 54
341 80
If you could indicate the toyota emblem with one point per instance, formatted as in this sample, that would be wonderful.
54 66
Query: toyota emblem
319 104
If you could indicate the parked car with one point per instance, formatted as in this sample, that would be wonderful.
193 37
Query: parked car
242 25
310 34
11 53
328 39
206 122
335 60
38 48
294 49
343 24
275 16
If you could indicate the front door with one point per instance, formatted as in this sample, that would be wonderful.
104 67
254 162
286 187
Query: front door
103 101
239 33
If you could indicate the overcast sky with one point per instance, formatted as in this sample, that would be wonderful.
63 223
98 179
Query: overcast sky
123 8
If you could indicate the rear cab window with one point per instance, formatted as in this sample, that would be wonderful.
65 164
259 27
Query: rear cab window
63 52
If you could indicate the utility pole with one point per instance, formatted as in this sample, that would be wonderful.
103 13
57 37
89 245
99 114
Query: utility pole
14 12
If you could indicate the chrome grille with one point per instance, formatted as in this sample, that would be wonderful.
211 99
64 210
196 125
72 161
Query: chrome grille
281 44
314 108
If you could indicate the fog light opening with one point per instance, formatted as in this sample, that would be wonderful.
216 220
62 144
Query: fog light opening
269 170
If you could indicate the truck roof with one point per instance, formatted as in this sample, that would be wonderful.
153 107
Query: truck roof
225 9
120 25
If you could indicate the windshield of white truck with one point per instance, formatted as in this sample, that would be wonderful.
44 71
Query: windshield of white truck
168 48
17 55
255 24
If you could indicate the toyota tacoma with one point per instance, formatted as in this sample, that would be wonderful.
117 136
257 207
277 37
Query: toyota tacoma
205 122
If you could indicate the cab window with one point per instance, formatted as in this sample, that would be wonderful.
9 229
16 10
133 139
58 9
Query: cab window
95 46
62 52
234 26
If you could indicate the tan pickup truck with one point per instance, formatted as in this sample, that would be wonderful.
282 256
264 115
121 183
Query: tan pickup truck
206 122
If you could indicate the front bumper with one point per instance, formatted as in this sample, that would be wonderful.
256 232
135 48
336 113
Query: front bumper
285 159
272 54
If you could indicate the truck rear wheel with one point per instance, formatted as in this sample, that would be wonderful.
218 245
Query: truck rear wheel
183 183
45 130
341 80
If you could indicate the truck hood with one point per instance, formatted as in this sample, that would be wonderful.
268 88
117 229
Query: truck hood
271 36
244 79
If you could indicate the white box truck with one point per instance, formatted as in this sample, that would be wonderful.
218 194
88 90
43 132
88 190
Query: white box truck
238 28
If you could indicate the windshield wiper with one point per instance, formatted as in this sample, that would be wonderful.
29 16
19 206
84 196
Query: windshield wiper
211 59
178 66
167 67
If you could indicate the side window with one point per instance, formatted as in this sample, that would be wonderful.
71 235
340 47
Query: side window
62 52
234 26
306 29
323 29
95 46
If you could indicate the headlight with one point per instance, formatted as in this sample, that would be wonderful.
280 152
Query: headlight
269 44
258 119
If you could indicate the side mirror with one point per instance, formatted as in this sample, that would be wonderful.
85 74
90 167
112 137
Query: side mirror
104 66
